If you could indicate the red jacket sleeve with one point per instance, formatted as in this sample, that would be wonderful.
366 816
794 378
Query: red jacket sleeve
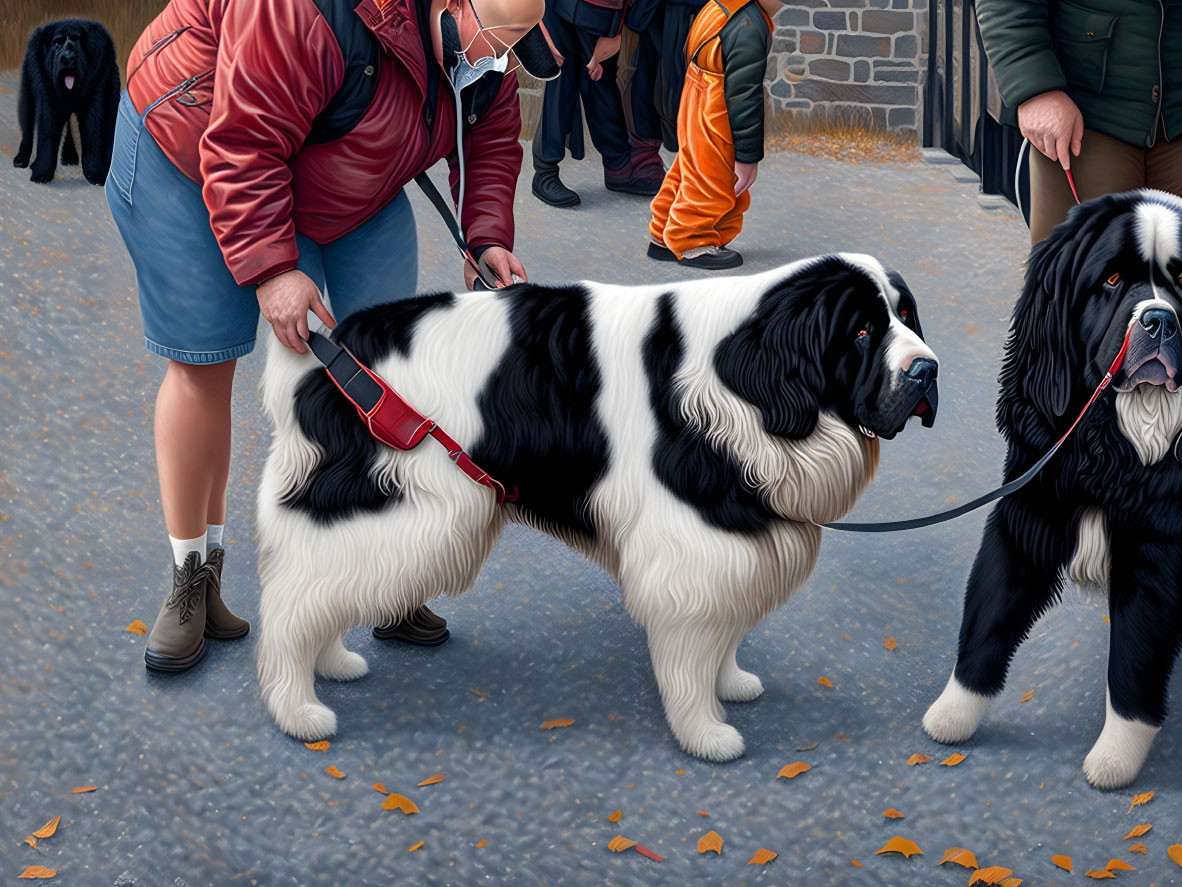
278 64
492 163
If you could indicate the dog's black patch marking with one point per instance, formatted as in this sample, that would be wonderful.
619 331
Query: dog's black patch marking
541 432
83 50
340 485
688 464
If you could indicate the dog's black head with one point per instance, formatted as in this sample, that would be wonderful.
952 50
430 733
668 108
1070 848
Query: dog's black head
66 49
839 334
1112 266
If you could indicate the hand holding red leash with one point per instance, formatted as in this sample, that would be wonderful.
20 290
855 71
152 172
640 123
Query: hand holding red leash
284 302
1054 125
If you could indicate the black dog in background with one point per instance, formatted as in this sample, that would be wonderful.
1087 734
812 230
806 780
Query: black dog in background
69 68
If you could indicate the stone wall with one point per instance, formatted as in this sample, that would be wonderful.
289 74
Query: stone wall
861 61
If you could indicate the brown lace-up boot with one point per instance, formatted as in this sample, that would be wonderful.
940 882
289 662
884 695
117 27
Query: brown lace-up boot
220 623
176 642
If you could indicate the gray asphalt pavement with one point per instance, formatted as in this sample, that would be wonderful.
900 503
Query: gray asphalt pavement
195 785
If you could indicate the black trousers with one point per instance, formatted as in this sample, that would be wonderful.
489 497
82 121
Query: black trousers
643 92
560 124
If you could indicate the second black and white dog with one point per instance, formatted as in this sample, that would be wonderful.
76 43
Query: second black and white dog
1107 509
687 437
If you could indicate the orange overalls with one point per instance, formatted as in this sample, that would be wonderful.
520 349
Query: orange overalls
696 205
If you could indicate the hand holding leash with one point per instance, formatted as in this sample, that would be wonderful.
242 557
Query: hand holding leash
284 302
1054 125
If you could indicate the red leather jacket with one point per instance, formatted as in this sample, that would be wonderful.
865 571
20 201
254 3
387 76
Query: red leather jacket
255 75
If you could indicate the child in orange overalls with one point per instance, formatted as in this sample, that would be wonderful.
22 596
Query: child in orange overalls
700 206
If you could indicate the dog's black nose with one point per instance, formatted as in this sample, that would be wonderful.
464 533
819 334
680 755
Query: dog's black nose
923 370
1159 323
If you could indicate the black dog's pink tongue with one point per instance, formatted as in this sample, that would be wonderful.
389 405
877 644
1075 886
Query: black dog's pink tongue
69 81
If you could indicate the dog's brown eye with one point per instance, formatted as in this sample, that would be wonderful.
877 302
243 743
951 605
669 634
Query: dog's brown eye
862 334
904 313
1113 279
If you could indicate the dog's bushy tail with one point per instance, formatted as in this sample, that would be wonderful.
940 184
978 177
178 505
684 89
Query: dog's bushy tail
293 454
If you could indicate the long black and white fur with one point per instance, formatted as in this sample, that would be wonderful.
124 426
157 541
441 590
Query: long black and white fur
687 437
1106 512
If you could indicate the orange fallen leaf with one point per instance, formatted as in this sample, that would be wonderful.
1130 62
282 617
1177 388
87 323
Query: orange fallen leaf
700 813
1119 865
83 788
788 771
892 814
1102 873
710 841
483 842
396 801
1175 853
615 817
1138 848
762 857
378 787
960 856
900 845
953 760
824 682
431 780
557 722
841 737
1138 831
480 693
47 830
890 643
1029 695
1063 862
619 844
644 851
31 841
137 627
322 745
995 874
918 758
855 862
38 871
1138 800
414 848
333 771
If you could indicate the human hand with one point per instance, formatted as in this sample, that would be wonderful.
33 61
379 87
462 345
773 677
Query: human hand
501 262
553 49
745 173
1053 124
284 301
605 48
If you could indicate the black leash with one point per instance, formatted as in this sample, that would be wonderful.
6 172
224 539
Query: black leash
483 272
1005 489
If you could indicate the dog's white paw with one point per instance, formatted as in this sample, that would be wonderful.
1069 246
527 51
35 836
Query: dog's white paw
1120 752
720 743
953 718
739 686
307 721
342 665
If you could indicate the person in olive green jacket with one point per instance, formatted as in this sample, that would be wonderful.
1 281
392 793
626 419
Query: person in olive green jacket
1097 90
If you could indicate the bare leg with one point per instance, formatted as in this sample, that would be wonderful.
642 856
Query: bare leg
192 427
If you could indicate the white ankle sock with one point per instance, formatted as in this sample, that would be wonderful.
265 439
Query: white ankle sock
213 537
182 547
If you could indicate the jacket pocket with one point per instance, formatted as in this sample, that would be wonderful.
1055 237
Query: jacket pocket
1083 39
128 126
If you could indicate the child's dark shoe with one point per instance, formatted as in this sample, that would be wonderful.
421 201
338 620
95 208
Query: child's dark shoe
711 258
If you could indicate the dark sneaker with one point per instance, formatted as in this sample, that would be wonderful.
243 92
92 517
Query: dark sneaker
629 180
220 623
176 642
661 253
548 188
711 258
646 160
421 627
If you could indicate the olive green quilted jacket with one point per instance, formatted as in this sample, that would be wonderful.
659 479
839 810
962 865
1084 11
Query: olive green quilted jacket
1119 60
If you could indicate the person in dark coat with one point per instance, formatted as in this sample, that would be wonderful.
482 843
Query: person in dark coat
1096 88
586 42
643 100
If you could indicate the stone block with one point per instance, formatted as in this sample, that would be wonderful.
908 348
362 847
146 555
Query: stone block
829 20
830 69
863 46
900 118
882 21
856 93
861 70
906 47
813 43
792 17
897 75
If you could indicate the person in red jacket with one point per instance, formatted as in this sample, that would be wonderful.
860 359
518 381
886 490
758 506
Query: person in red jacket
261 151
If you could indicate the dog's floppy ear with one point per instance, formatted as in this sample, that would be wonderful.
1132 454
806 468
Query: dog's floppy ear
1046 363
774 359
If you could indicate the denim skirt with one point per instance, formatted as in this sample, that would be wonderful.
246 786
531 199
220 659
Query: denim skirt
193 311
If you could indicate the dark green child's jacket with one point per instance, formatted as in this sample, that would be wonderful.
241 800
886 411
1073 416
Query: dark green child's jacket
1119 60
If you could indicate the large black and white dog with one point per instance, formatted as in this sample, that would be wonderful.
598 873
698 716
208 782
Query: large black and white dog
69 69
1107 509
687 437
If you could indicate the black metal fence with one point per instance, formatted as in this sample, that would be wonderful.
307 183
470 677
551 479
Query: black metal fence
962 108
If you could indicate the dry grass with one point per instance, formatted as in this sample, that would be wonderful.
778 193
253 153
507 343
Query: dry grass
124 19
843 138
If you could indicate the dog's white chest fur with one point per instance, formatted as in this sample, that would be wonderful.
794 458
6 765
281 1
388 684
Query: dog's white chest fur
1150 417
